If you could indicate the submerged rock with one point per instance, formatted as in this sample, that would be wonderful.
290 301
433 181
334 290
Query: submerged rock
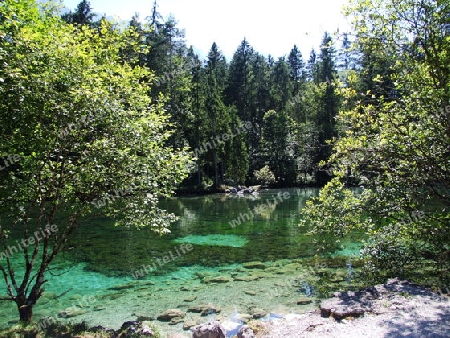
142 317
246 278
169 314
260 274
69 313
188 324
210 330
122 287
257 313
176 320
217 279
190 298
254 265
204 309
304 301
244 317
204 274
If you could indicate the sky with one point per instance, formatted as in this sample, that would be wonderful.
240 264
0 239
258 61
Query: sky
270 27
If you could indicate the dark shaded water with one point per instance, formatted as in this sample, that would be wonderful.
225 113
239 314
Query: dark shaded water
268 231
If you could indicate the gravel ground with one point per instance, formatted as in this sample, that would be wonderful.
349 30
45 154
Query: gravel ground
395 309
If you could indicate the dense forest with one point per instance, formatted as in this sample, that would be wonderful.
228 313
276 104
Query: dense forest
241 115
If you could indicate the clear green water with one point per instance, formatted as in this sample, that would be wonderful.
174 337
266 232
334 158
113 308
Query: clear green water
101 261
214 240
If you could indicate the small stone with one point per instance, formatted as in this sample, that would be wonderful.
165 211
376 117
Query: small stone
245 317
188 324
149 283
176 320
169 314
142 317
121 287
204 274
246 278
254 265
304 301
260 274
72 313
257 313
204 309
217 279
251 293
190 299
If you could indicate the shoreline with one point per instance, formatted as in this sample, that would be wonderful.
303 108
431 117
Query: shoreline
250 294
397 308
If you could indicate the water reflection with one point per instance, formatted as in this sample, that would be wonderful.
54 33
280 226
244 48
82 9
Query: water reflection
267 225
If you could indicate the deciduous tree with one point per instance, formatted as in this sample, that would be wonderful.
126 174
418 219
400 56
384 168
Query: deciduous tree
396 147
88 136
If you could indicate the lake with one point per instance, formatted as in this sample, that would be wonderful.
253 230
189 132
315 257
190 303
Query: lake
235 252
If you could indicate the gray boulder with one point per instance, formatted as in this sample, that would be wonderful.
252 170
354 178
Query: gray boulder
135 328
210 330
246 332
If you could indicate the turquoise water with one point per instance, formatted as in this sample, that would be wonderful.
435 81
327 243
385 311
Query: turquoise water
214 240
106 272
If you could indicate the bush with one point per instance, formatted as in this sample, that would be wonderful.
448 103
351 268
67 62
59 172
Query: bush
265 176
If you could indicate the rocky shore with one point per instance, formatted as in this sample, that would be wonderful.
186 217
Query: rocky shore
254 299
397 308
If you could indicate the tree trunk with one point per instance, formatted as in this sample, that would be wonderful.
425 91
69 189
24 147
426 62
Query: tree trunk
216 174
26 313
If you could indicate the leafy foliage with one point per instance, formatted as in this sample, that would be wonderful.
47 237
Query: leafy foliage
265 175
395 145
88 136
